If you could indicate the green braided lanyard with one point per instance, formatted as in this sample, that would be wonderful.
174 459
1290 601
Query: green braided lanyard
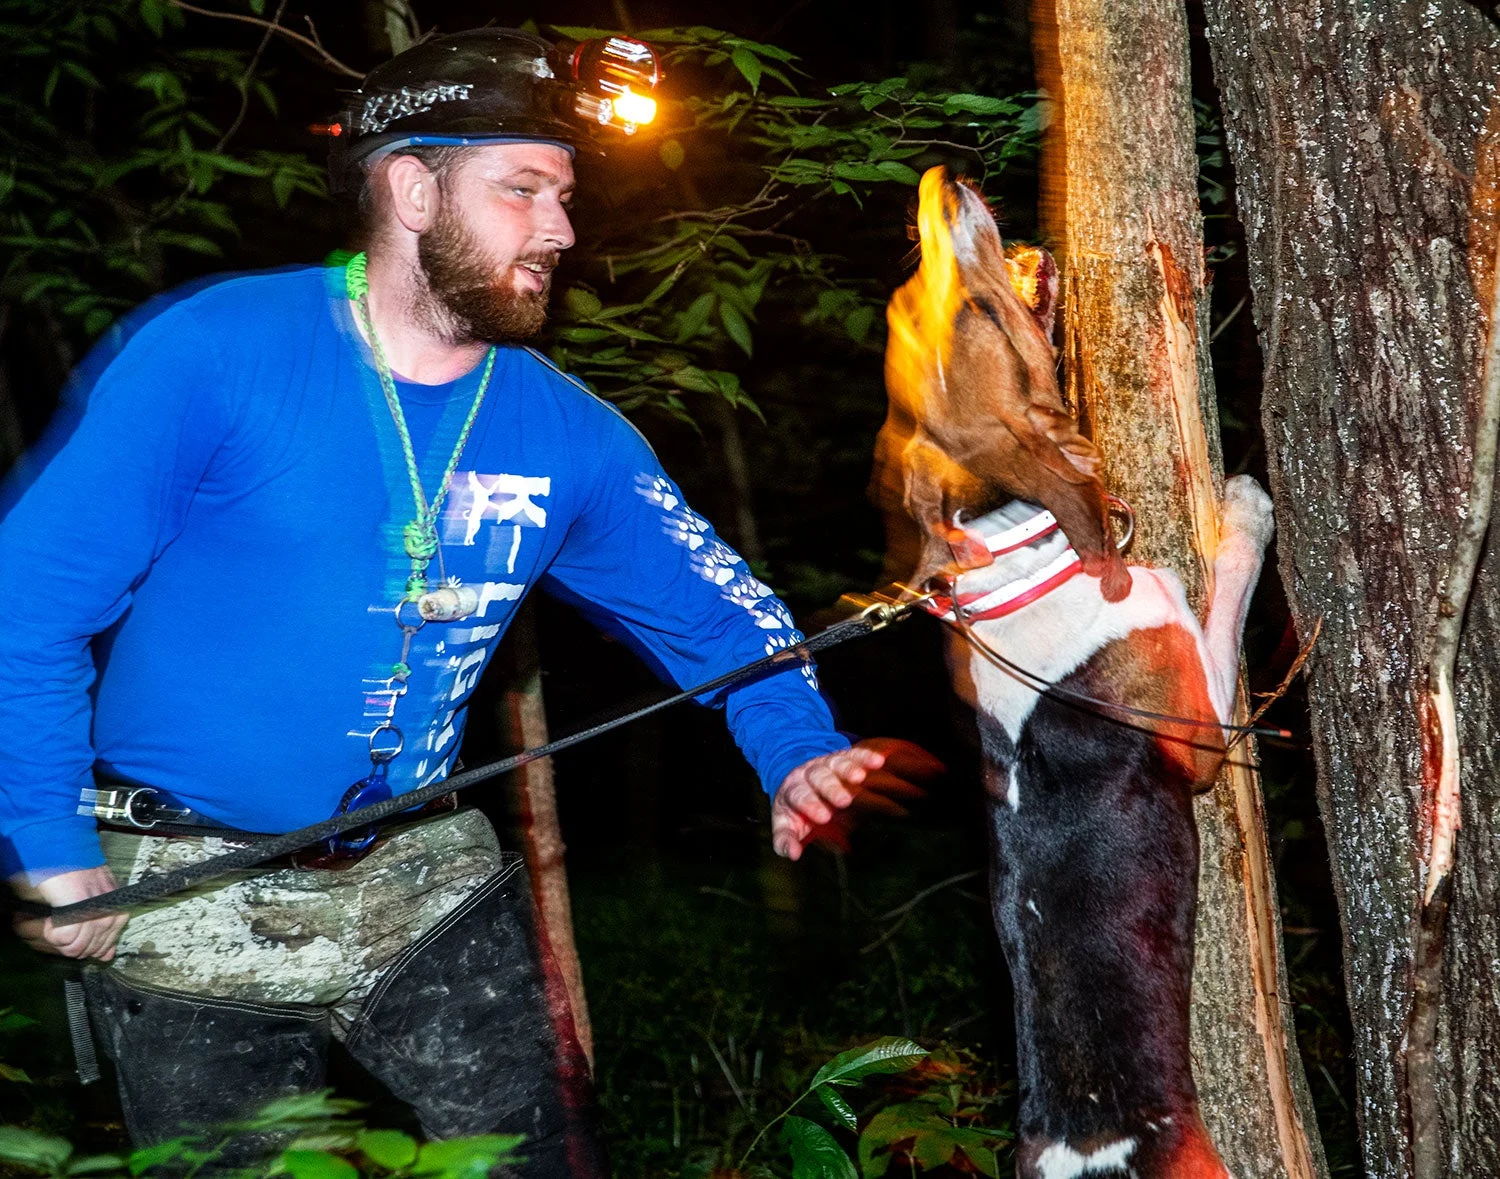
420 534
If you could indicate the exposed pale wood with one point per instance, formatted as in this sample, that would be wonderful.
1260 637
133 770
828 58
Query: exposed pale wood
1366 143
1124 184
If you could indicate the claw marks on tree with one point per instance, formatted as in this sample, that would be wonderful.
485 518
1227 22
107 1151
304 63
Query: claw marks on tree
1440 781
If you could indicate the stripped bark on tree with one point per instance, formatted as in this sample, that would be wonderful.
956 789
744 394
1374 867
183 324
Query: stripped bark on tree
1120 191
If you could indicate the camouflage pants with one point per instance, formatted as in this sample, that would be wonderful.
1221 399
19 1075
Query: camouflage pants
422 958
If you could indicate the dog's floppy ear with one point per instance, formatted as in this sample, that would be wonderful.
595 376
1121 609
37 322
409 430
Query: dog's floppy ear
1033 276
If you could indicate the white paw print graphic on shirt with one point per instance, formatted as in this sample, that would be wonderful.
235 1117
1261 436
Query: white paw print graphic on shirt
720 565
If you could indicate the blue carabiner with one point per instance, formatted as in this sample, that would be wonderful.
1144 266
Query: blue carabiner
366 792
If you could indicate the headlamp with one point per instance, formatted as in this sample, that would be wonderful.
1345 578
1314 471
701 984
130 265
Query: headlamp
494 86
613 78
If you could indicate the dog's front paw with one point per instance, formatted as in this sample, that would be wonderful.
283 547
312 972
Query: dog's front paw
1246 511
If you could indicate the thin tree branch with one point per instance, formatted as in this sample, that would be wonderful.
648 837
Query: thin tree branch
1280 690
272 26
249 75
311 42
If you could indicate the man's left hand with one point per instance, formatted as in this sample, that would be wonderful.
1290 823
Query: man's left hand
873 774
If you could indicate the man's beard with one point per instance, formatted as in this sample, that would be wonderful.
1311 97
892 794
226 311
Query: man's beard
469 301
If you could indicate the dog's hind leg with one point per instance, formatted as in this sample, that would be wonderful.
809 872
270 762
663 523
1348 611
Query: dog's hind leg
1245 527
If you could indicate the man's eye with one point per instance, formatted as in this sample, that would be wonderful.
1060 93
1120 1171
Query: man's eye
522 191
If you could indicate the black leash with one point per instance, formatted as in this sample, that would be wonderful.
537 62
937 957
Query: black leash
874 614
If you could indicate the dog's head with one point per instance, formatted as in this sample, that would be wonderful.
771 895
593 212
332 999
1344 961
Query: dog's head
975 414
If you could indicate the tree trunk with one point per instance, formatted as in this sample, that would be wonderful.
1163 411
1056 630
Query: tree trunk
1120 184
1365 136
525 722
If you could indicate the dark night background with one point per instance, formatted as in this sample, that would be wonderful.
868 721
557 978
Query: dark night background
717 977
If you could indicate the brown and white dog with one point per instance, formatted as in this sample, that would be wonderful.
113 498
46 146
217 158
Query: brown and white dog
1094 849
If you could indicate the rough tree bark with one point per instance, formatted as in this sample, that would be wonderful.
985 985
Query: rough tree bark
1365 136
1120 205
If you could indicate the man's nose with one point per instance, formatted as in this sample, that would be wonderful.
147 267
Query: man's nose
557 230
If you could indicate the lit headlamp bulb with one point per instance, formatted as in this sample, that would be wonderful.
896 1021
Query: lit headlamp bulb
634 109
612 73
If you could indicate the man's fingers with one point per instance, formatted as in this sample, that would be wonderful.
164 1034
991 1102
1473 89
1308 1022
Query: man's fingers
33 931
830 786
884 782
903 757
813 803
94 938
870 800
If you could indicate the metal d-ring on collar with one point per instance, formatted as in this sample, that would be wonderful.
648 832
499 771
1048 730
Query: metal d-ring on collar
1118 507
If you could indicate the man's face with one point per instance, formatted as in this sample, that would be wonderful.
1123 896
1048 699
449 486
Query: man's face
502 223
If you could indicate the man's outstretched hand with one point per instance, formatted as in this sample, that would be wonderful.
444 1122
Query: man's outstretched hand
92 937
815 800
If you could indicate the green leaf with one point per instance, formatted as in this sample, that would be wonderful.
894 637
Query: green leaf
267 96
1034 118
982 1155
467 1158
313 1164
283 184
32 1148
579 33
174 1150
816 1154
584 335
694 380
838 1107
901 172
934 1146
889 1054
660 289
691 321
735 325
847 171
857 323
390 1149
11 1073
195 242
749 65
14 1021
300 1107
774 52
584 304
976 104
672 153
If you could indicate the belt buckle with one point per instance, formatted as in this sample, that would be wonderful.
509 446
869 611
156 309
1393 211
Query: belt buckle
117 804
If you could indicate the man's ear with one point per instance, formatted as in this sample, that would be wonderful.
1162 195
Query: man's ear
413 191
1033 276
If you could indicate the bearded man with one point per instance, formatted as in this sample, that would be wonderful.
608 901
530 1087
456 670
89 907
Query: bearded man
277 552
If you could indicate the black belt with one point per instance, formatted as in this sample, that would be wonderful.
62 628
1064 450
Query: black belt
149 810
126 806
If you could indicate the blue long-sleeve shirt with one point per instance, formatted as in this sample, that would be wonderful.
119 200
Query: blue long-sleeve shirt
227 520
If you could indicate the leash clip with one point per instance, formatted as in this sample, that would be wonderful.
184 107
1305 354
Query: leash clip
879 610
